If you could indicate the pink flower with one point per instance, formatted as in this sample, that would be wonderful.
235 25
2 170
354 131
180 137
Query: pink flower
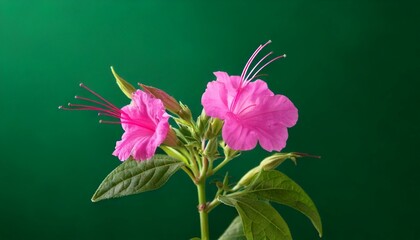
251 112
144 121
146 126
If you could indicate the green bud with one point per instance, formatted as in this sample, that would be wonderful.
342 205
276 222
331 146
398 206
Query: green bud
184 131
125 87
247 178
276 159
202 122
185 113
211 148
215 126
229 152
267 164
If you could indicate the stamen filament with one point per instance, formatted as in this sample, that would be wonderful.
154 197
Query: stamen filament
106 108
92 108
96 102
249 61
261 68
247 79
252 58
64 108
108 115
99 96
256 65
108 122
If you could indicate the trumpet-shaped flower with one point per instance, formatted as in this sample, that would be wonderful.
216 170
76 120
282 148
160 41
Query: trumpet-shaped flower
144 121
146 126
251 112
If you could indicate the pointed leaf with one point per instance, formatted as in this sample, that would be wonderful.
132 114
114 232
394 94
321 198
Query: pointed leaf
234 231
132 177
260 220
277 187
125 87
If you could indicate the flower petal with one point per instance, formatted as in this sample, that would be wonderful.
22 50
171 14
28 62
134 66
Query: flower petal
249 96
276 109
270 120
238 136
215 98
273 138
134 143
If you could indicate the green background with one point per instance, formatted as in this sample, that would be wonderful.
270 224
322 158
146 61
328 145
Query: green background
352 70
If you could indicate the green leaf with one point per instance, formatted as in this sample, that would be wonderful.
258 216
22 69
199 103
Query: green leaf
277 187
235 231
260 220
132 177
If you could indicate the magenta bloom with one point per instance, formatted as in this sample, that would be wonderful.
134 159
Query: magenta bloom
146 126
251 112
144 121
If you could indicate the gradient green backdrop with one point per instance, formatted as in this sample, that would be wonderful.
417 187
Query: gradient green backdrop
352 70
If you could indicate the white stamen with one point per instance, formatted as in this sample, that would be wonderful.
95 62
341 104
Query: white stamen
256 65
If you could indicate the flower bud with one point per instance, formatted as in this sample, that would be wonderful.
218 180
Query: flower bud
185 113
229 152
125 87
170 103
215 126
276 159
267 164
211 149
247 178
202 122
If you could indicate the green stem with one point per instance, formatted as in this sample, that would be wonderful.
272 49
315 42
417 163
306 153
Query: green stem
218 167
202 204
212 205
205 166
194 167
